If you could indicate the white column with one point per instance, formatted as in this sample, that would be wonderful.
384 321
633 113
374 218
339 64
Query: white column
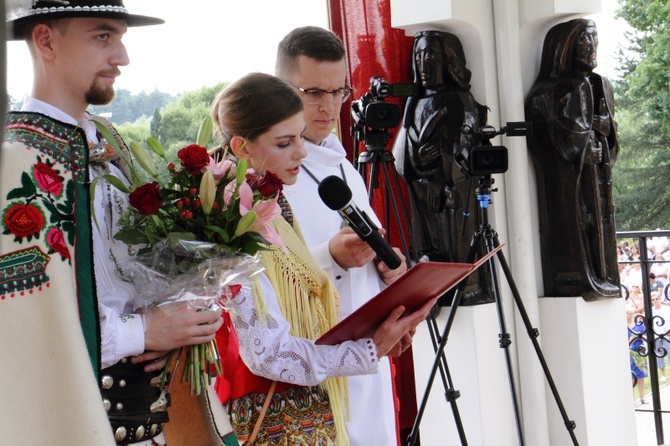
521 237
503 41
587 350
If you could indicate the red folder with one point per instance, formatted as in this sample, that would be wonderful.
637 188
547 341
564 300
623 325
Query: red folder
416 287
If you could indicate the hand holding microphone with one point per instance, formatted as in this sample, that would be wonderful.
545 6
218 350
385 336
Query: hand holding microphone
337 196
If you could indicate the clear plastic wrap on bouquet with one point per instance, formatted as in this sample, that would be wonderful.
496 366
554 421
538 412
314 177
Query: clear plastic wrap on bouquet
200 274
188 270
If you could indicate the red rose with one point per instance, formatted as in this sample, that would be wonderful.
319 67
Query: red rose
193 158
268 184
56 241
48 179
146 199
23 220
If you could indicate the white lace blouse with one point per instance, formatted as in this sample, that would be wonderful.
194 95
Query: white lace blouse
267 348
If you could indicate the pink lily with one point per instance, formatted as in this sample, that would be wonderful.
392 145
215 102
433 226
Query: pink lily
229 193
219 169
267 211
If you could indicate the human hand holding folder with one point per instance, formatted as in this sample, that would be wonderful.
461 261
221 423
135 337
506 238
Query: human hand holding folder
422 283
394 335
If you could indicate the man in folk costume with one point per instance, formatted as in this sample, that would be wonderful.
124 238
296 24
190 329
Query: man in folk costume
71 326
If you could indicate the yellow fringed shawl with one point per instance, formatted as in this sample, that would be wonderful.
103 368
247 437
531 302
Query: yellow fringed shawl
308 301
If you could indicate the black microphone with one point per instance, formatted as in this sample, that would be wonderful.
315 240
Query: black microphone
336 195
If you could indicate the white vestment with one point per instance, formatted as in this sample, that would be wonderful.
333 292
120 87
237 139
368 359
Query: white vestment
372 421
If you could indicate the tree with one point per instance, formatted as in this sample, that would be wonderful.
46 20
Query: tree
175 124
137 131
181 119
648 80
641 192
157 124
128 107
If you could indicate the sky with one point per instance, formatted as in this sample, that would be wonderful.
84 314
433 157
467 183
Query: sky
205 42
202 43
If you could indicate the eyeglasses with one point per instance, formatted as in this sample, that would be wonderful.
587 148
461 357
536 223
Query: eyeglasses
315 96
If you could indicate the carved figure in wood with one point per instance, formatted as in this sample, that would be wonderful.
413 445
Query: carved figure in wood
428 148
574 146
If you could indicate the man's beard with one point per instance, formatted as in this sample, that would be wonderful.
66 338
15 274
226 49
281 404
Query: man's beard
97 95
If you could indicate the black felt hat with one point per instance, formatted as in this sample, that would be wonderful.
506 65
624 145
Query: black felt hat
43 10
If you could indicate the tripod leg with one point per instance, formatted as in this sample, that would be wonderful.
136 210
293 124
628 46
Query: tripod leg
472 253
450 394
533 334
401 215
373 181
504 336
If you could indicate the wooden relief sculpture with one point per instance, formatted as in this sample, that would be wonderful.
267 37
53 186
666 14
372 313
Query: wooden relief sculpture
428 148
573 147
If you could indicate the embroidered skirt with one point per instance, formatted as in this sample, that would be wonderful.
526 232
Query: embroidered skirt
296 416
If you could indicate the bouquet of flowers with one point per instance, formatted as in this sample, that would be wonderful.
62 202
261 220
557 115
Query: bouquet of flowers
197 226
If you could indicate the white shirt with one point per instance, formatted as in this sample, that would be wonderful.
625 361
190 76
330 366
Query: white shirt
319 223
661 320
121 335
660 244
372 420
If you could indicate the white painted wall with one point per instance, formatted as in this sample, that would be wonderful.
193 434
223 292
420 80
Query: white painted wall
503 41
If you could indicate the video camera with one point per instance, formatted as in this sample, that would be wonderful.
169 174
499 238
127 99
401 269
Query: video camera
372 116
485 159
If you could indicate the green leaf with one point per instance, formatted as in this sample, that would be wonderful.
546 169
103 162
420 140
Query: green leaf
69 196
172 239
112 180
27 189
250 246
53 211
205 131
63 209
225 237
70 231
91 189
131 236
117 183
111 140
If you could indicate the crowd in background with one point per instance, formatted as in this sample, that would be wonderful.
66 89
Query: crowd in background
631 272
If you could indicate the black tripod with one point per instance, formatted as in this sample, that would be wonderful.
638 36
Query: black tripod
375 161
486 234
377 157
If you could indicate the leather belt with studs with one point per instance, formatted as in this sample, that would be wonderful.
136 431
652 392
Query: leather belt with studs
136 407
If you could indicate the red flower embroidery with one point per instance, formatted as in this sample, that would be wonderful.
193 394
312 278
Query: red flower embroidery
193 158
146 199
48 179
23 220
56 241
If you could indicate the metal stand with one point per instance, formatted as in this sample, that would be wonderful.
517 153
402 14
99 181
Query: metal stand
377 157
486 234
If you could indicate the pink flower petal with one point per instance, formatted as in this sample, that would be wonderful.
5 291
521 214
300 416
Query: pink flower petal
218 169
246 198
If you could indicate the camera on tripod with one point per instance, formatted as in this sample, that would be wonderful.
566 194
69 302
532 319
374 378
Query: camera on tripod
372 116
485 159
